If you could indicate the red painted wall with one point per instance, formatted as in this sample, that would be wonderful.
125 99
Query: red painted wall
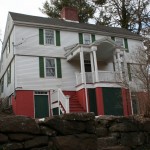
81 98
126 102
14 107
70 93
99 100
24 103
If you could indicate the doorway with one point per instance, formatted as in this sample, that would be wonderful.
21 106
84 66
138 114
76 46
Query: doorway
41 105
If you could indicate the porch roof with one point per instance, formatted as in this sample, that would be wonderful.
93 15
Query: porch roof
105 46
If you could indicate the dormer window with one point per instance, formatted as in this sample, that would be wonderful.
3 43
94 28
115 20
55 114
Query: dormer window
86 38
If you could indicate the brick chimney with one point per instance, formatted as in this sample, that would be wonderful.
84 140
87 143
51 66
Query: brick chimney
69 14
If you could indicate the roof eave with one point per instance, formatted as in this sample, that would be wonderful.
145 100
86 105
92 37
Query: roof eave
77 29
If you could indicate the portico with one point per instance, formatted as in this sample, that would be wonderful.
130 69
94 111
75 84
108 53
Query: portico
100 61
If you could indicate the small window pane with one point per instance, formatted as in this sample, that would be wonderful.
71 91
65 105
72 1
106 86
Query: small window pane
50 63
87 39
50 72
49 37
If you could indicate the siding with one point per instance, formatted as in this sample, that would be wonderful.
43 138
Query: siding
10 88
6 61
27 75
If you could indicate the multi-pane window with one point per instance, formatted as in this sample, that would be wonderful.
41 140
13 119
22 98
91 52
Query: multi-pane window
87 38
119 42
9 75
50 67
49 37
7 48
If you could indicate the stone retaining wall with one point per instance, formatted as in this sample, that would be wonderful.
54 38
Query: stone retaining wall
123 133
79 131
65 132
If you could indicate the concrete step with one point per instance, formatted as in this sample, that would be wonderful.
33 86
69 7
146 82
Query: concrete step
106 142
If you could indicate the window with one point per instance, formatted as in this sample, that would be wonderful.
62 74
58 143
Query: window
49 37
50 67
2 85
119 42
7 48
123 42
87 38
8 75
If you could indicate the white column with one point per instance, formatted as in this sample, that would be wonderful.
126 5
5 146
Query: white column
82 65
84 77
94 49
119 62
92 66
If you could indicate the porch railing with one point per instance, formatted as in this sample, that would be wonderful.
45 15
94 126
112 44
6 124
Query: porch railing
60 101
109 76
103 76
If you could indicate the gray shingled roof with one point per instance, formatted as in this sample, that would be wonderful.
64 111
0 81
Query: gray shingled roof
61 22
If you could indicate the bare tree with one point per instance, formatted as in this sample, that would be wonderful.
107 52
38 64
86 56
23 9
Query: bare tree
133 15
140 74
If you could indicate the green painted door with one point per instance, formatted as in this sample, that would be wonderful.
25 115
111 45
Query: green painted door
41 106
112 101
92 101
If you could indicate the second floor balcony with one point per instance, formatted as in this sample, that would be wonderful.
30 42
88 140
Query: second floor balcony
103 77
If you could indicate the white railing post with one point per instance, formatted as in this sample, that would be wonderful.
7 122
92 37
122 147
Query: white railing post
58 102
76 74
67 104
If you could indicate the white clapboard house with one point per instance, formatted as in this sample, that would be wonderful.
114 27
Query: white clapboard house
53 66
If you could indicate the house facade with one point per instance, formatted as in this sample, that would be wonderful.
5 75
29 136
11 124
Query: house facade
52 66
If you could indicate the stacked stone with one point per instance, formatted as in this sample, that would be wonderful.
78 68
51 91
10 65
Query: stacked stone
123 133
75 131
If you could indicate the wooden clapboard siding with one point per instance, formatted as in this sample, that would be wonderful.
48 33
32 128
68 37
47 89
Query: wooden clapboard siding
8 89
7 60
27 75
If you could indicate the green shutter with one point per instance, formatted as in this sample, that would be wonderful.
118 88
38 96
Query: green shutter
2 84
93 37
41 37
80 38
57 38
59 74
129 71
126 44
41 67
113 38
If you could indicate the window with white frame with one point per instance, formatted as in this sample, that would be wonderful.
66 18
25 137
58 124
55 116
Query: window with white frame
87 38
119 42
9 75
7 48
49 37
50 67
